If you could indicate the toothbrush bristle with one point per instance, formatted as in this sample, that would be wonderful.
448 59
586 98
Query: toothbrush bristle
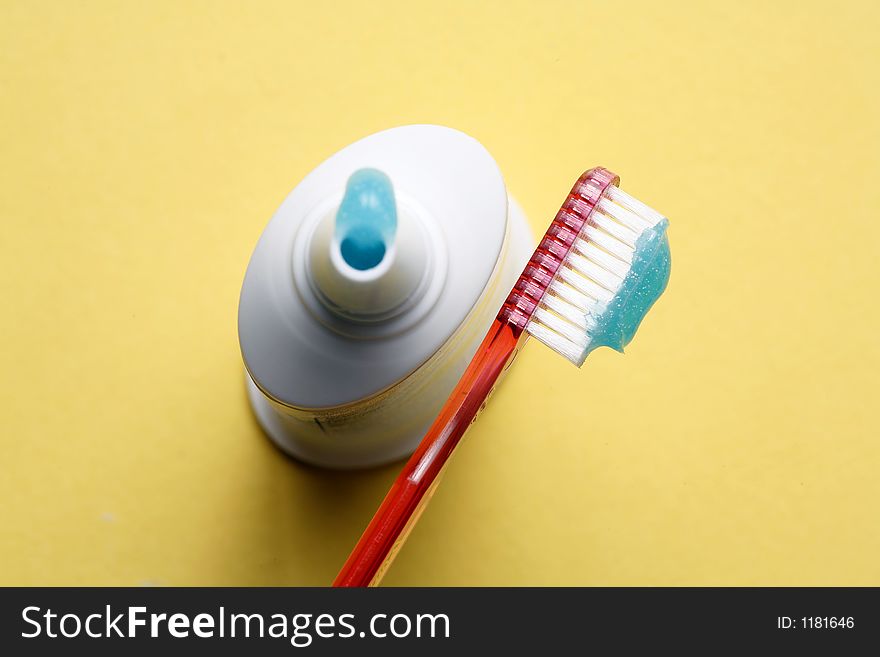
580 264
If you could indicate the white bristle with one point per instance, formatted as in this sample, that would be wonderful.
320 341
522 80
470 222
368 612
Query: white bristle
620 198
572 297
596 271
591 250
566 311
561 345
619 249
563 327
615 229
591 274
573 277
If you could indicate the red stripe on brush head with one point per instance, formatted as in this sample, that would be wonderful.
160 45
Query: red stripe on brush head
554 247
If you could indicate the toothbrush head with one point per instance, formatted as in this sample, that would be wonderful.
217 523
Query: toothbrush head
600 267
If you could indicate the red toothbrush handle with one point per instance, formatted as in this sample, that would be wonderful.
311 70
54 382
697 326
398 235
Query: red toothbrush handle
413 487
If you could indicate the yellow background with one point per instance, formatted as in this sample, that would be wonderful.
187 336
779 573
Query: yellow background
143 147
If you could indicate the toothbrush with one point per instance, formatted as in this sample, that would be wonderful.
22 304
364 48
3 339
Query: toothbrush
599 268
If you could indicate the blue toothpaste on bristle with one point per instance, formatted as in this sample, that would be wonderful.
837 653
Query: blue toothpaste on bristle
614 323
